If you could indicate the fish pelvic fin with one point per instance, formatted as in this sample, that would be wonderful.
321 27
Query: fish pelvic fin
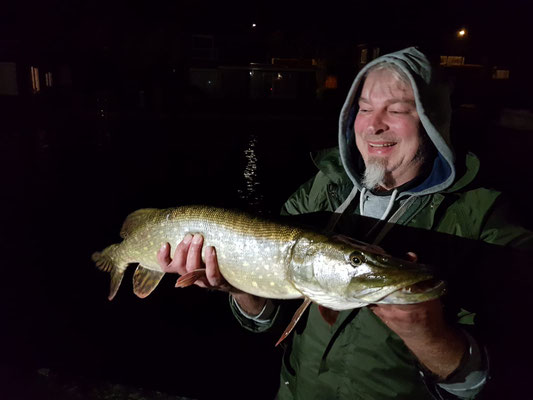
137 219
106 261
190 277
296 317
145 281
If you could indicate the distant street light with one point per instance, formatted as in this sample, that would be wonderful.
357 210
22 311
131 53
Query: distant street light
461 33
254 25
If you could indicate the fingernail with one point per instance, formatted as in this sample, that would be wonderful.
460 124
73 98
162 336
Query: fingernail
187 239
197 239
163 247
210 250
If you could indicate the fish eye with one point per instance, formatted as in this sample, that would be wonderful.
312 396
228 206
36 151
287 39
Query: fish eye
356 260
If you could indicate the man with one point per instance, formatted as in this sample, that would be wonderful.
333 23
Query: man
394 164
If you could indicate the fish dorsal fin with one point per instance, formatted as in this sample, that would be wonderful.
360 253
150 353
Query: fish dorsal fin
135 219
145 281
296 317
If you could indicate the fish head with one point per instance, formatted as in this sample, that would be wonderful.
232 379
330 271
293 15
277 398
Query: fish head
342 275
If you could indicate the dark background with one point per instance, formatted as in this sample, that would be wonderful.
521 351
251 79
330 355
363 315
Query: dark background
123 128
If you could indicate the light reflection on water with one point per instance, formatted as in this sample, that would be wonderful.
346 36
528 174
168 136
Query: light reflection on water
250 188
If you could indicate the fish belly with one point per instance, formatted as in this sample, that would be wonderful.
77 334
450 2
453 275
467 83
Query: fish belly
253 254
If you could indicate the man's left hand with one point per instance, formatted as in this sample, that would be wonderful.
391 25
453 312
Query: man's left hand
413 321
422 327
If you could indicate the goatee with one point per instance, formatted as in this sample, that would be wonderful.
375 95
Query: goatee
375 170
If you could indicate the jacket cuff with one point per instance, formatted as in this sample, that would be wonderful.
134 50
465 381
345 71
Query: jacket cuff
467 381
258 323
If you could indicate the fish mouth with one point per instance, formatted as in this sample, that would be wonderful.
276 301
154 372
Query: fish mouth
425 290
425 286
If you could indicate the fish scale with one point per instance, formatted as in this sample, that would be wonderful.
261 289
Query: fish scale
267 259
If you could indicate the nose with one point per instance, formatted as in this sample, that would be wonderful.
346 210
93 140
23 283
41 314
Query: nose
376 124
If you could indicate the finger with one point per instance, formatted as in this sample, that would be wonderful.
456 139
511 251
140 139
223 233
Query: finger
386 311
194 257
180 255
201 283
389 310
163 257
411 256
211 263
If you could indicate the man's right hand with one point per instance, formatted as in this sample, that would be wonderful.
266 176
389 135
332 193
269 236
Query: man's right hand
188 257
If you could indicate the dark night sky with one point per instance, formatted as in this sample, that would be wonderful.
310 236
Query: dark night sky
501 24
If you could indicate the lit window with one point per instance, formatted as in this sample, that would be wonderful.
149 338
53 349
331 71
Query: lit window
48 79
500 74
364 56
35 84
331 82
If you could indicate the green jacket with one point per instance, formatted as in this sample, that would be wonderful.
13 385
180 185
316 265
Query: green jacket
359 357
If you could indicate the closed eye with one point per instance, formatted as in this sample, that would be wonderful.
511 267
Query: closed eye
398 112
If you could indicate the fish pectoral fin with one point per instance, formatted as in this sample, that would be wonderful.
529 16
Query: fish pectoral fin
296 317
189 278
145 281
136 219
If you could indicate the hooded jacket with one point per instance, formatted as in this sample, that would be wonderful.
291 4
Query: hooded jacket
359 357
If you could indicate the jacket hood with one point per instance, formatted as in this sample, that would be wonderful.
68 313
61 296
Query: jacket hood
434 110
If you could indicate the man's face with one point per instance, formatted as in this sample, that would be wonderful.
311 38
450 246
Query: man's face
387 128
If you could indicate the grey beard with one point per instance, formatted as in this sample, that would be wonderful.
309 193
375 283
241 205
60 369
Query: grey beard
374 175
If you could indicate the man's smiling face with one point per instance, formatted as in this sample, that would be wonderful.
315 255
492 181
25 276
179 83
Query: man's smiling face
387 128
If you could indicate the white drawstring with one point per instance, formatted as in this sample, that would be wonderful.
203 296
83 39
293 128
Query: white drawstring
340 210
387 227
393 219
391 203
362 201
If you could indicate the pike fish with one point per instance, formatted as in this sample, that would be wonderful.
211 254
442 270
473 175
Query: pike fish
268 259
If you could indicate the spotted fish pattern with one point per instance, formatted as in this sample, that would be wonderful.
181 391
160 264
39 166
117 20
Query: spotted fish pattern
268 259
252 252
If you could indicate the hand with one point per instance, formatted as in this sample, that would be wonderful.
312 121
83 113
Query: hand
413 321
188 257
424 331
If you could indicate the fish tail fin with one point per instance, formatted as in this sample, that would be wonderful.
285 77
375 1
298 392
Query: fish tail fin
106 260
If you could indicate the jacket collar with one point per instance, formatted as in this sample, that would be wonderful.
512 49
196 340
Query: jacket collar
329 163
